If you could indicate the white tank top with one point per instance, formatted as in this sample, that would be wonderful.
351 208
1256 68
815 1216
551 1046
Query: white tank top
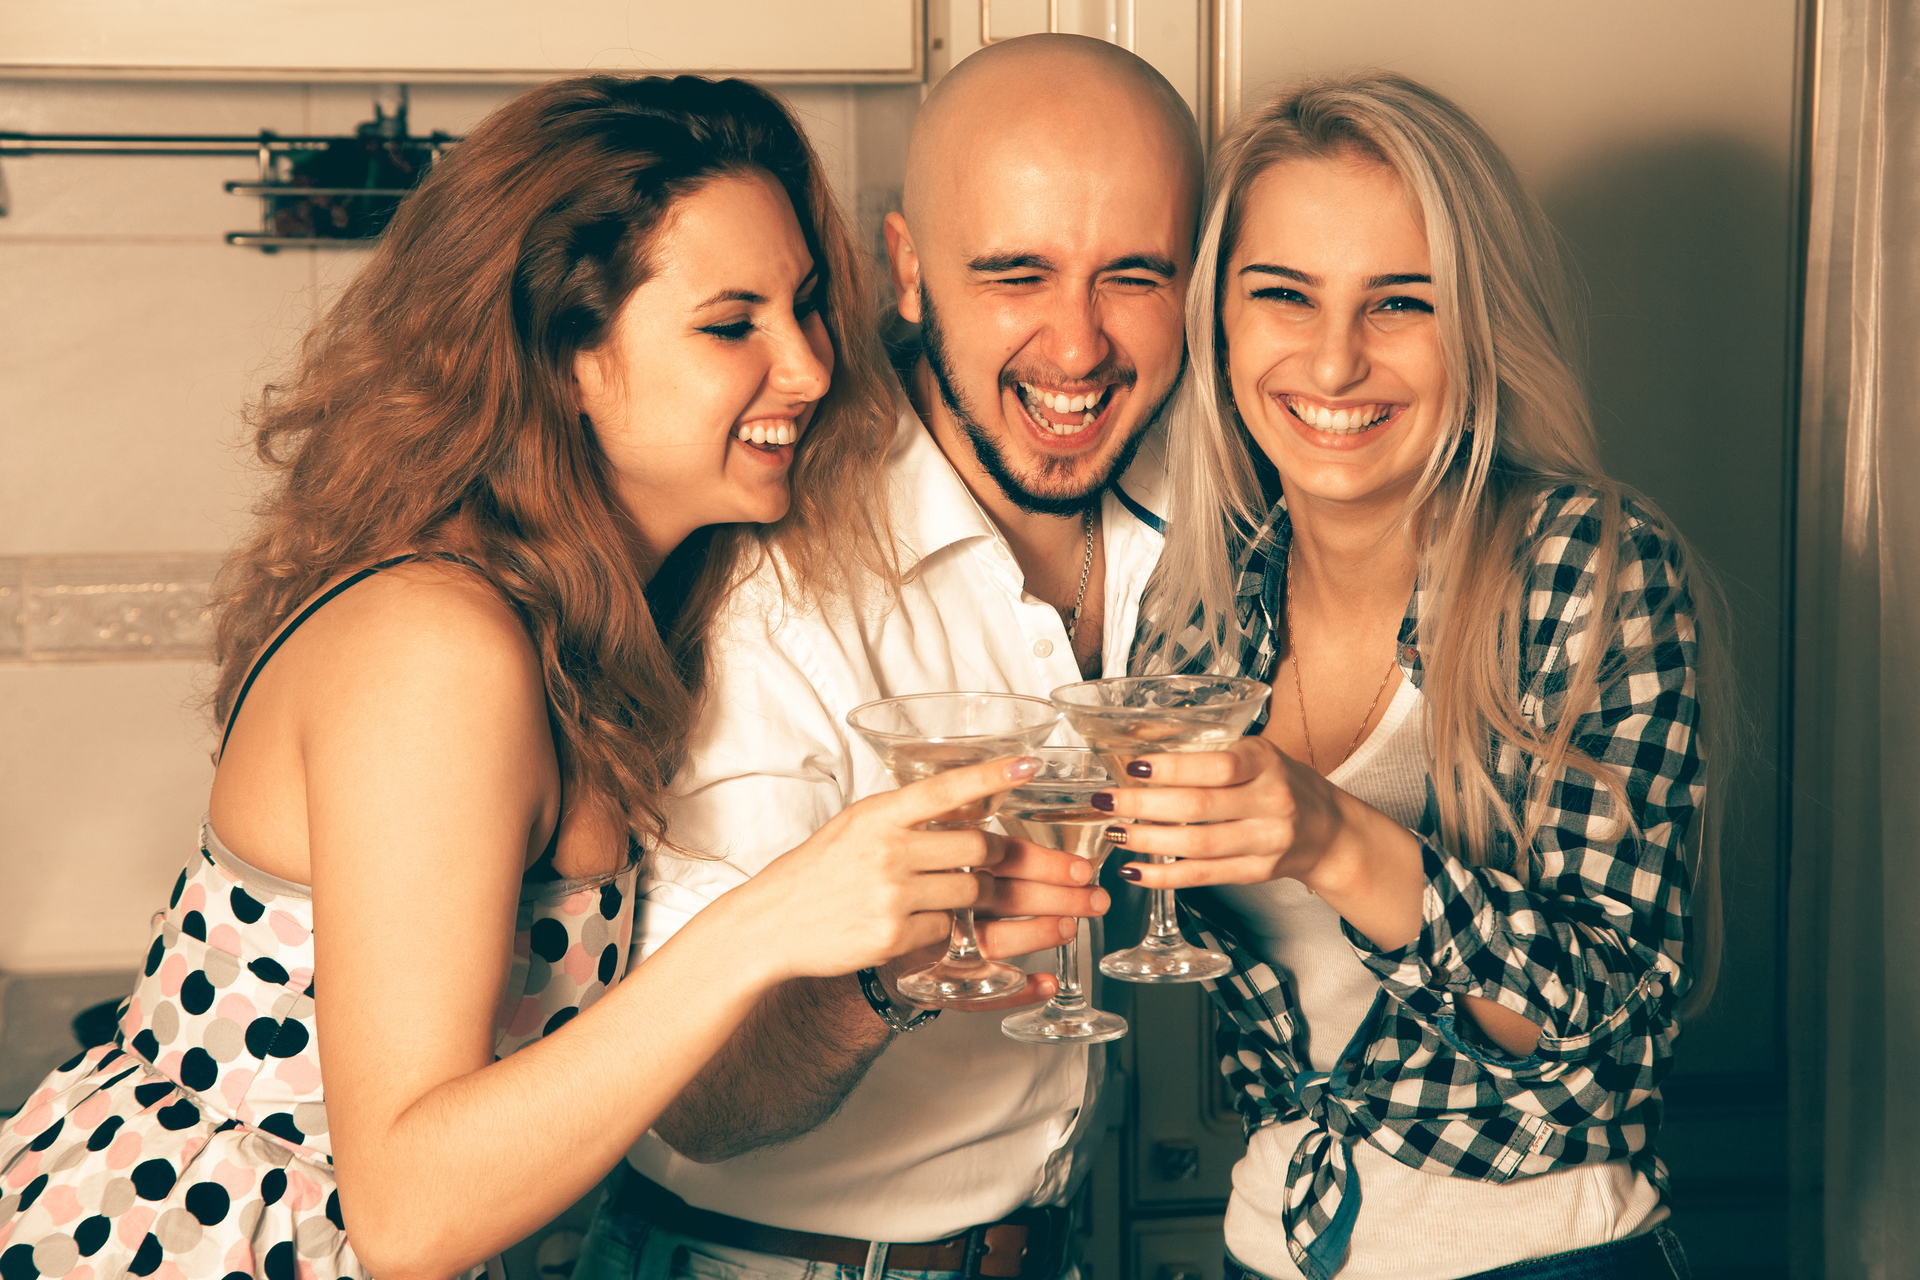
1412 1225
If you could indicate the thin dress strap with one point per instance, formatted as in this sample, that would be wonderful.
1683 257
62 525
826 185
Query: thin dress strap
234 715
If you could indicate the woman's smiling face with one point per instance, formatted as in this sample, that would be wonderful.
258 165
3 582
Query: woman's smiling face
713 366
1333 351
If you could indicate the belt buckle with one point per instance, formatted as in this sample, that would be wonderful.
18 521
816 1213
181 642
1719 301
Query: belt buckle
1005 1250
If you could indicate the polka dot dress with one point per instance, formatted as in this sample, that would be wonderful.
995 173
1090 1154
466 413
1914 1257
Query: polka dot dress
196 1144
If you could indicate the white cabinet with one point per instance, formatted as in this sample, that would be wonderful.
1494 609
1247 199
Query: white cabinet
846 41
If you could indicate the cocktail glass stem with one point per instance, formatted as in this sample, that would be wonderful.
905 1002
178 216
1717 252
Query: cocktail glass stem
1070 998
1163 921
963 944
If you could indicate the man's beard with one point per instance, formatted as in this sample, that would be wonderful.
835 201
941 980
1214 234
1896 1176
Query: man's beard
994 462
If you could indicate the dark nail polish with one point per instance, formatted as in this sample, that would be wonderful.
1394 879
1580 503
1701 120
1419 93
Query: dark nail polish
1139 769
1129 873
1103 801
1115 835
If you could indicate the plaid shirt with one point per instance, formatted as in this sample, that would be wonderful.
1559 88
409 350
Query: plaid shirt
1591 947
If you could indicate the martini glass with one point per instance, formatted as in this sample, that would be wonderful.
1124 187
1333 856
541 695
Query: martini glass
1053 809
928 733
1133 716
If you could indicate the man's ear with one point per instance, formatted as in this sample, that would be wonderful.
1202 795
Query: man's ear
903 262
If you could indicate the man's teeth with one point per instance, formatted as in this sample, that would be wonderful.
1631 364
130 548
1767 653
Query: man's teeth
1339 421
1035 399
776 433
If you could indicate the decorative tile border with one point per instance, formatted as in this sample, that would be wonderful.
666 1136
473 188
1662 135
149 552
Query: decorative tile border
105 608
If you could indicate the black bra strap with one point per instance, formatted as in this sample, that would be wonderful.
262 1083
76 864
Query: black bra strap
308 612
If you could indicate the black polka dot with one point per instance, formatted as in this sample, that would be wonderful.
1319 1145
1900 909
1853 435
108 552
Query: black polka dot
148 1094
291 1039
181 1115
208 1201
91 1234
148 1259
72 1062
248 1275
280 1261
101 1137
273 1186
179 887
333 1211
609 961
146 1046
609 901
260 1034
196 993
267 970
549 939
154 955
198 1070
17 1264
281 1125
559 1020
245 905
308 993
31 1193
47 1136
194 926
152 1179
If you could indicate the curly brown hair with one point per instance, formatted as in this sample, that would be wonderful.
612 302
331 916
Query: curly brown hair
433 408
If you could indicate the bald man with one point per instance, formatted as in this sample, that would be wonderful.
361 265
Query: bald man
1044 252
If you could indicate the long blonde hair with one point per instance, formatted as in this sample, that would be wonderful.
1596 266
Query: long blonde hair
436 396
1518 424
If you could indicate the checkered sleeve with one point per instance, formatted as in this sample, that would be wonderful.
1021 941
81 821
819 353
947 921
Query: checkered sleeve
1589 941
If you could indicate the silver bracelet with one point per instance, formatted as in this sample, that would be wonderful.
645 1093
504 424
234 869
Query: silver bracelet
876 994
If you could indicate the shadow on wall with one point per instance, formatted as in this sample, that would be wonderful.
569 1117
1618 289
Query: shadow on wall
1691 348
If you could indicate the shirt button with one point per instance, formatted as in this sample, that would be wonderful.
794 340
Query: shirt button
1043 648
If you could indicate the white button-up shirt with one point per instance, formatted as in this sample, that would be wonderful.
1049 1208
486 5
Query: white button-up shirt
954 1124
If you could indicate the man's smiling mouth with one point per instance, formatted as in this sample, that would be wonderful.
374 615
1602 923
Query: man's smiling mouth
1064 413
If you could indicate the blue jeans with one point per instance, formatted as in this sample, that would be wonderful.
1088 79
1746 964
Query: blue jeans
1653 1255
622 1247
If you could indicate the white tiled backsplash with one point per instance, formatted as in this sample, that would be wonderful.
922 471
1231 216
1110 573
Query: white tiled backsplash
94 608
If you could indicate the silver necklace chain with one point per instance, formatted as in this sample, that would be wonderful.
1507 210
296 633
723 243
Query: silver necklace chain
1086 567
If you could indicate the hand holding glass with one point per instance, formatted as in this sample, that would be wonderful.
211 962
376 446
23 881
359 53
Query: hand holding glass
924 734
1131 716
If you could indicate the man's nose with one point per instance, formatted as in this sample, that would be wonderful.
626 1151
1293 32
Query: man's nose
1074 339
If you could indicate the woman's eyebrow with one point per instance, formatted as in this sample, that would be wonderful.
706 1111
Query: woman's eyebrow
749 296
1313 282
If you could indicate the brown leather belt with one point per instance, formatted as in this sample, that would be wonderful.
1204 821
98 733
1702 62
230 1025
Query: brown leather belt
1029 1244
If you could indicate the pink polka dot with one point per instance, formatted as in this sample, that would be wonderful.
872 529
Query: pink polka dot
300 1072
239 1258
131 1019
167 1271
23 1172
90 1113
169 1064
238 1182
195 898
299 979
83 1272
234 1086
172 974
237 1009
62 1204
134 1223
37 1115
225 938
303 1193
304 1270
577 964
6 1229
286 928
124 1151
577 904
526 1018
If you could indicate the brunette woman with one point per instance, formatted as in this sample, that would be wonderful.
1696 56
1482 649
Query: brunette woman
1449 867
583 384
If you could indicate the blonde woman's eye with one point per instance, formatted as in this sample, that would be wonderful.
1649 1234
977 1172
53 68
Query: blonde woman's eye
1404 306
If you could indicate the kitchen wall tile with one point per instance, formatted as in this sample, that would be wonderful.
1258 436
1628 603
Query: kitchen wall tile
82 608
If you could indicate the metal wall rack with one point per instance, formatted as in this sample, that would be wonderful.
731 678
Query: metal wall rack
331 192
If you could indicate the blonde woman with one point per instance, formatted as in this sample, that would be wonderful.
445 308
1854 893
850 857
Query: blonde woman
1449 865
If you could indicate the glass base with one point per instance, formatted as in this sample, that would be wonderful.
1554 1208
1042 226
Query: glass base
1052 1024
1173 961
975 980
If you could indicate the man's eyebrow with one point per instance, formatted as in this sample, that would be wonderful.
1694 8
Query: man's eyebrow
993 263
1152 262
1313 282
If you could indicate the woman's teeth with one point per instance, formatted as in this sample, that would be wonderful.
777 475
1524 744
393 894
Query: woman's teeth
773 433
1035 399
1339 422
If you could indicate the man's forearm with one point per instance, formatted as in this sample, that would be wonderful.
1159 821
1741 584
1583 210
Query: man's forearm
784 1072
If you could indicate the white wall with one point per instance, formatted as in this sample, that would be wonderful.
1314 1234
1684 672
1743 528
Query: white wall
131 338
